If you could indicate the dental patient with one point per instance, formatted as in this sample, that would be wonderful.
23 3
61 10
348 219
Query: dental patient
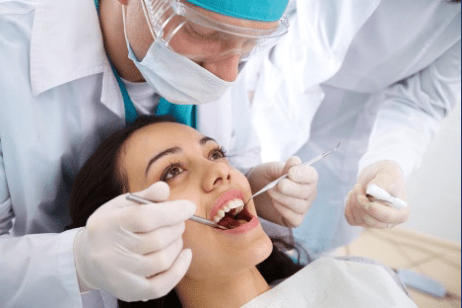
238 267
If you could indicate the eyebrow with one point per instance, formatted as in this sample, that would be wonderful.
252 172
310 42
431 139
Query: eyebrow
174 150
206 139
162 154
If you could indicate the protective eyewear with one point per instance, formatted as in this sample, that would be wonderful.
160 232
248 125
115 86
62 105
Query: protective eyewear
201 38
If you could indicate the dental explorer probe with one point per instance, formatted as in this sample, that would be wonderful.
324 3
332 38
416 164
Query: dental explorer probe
308 163
194 218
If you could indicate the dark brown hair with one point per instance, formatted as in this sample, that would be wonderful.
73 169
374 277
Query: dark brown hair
101 179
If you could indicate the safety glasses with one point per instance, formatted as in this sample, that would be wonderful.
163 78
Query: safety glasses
199 37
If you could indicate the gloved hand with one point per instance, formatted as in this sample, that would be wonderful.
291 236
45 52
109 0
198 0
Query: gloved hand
360 211
287 203
135 251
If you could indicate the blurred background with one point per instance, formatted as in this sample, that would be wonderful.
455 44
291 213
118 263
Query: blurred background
434 189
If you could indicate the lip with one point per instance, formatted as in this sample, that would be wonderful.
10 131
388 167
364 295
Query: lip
224 199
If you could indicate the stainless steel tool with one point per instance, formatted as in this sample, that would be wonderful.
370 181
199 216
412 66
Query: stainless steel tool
194 218
308 163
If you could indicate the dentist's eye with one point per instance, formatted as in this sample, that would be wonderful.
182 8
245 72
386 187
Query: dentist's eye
171 171
217 153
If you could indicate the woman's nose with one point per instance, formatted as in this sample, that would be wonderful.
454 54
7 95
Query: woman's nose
225 68
216 174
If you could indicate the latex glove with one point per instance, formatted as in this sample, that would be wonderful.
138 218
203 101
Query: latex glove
135 251
287 203
360 211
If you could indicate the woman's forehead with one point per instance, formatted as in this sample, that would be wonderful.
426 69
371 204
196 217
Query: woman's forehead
163 134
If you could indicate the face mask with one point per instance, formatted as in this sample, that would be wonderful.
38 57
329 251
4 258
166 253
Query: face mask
176 78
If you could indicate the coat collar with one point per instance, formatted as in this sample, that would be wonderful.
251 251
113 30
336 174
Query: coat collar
67 44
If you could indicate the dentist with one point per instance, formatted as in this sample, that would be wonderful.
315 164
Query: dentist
72 72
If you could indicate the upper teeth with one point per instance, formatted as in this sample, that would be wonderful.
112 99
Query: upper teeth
237 204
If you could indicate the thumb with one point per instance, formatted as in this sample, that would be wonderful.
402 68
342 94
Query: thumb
291 162
390 181
157 192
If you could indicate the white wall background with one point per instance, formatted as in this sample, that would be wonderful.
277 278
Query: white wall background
434 190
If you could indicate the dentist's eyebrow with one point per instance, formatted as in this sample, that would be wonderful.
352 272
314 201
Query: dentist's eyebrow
206 139
168 151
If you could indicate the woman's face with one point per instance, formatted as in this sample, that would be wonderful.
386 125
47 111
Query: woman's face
196 169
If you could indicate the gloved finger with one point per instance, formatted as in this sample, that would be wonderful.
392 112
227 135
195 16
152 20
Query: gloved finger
291 162
301 191
161 284
362 217
353 210
157 192
148 217
290 218
371 222
348 214
159 261
297 205
145 243
382 212
303 174
390 181
350 211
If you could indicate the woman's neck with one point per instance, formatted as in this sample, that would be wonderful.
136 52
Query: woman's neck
222 292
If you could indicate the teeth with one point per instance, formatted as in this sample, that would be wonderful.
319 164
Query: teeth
239 209
237 205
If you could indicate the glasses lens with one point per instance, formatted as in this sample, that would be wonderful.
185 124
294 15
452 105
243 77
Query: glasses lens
202 38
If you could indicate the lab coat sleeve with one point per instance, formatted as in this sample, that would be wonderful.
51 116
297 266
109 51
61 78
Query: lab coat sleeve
412 110
36 270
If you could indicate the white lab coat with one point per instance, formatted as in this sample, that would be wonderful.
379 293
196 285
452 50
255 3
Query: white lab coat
327 282
58 99
378 76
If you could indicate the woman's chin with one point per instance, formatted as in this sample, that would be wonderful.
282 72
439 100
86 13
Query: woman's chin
262 251
230 260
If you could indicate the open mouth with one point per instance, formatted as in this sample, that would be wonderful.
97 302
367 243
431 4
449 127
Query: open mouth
233 214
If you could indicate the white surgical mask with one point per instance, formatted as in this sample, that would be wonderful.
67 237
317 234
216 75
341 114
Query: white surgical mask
176 78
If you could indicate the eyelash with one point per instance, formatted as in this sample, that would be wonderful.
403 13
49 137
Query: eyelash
167 170
179 165
220 150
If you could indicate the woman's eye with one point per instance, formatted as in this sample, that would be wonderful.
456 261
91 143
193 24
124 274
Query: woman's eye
217 154
171 172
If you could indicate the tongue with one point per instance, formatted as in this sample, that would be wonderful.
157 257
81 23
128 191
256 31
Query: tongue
229 222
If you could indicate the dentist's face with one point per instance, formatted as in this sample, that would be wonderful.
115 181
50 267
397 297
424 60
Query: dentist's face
225 68
196 169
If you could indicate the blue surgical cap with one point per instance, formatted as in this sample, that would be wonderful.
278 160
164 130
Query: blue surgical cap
259 10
